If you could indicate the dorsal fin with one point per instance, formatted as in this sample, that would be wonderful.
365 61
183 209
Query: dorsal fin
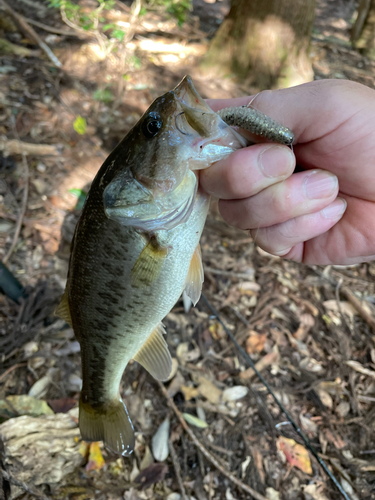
63 309
154 355
195 277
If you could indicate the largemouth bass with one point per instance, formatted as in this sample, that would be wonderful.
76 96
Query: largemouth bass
136 249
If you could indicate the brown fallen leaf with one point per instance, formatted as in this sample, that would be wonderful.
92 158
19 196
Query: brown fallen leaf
62 405
209 390
295 454
151 475
255 342
189 392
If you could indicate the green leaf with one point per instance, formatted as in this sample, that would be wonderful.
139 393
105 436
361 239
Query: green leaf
190 419
80 125
104 95
109 26
136 62
119 34
81 195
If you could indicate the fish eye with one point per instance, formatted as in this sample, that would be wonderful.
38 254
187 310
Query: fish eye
152 125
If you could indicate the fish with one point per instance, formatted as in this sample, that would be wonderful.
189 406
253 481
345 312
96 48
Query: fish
136 249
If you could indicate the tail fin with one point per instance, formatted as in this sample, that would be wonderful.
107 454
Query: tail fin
110 423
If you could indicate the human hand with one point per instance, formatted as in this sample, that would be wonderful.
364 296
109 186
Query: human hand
324 214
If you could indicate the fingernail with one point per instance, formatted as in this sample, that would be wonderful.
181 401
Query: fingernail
319 185
335 209
276 161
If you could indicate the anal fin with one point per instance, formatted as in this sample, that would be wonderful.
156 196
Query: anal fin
63 309
148 265
154 355
195 277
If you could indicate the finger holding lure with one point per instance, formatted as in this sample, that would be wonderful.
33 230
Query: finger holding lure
136 249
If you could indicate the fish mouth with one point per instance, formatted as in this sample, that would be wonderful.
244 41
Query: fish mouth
156 211
198 115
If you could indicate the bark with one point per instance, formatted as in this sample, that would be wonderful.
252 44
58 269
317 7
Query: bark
264 42
363 32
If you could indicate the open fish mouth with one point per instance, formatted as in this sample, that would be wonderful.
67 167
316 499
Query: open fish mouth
155 212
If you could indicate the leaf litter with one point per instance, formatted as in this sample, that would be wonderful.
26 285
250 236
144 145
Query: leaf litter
313 344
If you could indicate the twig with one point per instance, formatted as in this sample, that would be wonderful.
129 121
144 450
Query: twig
51 29
16 147
220 272
177 470
23 210
251 363
13 367
356 303
206 453
25 487
29 31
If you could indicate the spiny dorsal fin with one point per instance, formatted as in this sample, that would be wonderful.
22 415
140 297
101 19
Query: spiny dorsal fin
154 355
195 277
148 265
63 310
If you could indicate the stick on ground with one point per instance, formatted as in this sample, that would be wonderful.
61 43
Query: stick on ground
206 453
30 32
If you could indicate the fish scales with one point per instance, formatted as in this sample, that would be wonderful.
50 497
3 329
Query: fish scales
136 249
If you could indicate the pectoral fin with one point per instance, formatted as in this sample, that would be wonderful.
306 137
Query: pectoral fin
63 310
195 277
154 355
148 265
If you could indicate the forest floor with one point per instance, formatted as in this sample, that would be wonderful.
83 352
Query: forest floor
309 329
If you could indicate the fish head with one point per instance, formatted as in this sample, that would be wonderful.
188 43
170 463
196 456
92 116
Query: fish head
153 183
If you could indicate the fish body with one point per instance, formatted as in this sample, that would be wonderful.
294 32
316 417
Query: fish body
136 249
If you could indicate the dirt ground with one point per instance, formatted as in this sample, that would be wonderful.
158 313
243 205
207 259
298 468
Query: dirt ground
309 329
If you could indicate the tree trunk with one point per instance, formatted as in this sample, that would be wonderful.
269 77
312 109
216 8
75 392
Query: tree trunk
363 32
264 42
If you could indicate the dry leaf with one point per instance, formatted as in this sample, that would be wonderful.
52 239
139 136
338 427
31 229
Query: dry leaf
234 393
209 390
325 398
255 342
308 425
153 474
23 405
359 368
343 409
343 307
272 494
311 365
160 445
314 492
295 454
96 460
191 419
147 459
189 392
307 322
